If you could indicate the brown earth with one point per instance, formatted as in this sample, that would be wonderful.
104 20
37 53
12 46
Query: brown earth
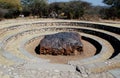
89 50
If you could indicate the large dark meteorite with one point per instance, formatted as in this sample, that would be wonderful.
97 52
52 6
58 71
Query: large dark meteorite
64 43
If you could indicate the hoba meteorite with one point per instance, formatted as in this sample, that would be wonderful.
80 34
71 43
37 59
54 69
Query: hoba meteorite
63 43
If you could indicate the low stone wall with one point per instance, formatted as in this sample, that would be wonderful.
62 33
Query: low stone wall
108 33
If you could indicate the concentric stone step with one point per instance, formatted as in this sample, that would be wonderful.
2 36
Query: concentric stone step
115 73
13 37
18 41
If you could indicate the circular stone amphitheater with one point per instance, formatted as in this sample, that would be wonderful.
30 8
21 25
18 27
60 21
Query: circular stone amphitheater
17 62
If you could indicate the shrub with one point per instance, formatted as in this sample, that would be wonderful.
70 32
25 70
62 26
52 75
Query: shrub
12 13
2 13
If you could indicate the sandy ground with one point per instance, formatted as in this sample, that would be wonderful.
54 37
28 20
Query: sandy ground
89 50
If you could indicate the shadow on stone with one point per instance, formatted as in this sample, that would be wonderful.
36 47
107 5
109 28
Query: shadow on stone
37 49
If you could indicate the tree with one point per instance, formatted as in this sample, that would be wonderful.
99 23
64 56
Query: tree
10 8
38 6
114 8
113 3
9 4
73 9
35 7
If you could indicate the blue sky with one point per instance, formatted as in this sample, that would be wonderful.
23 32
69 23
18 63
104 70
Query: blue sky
94 2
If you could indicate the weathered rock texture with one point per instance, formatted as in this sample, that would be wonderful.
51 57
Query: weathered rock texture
64 43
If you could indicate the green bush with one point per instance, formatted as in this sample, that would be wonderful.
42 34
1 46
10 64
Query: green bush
2 13
26 12
12 13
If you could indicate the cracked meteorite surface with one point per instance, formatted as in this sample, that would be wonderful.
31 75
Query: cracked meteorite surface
63 43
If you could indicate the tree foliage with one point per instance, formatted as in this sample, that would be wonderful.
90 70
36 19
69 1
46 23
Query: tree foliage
38 6
113 11
10 8
73 9
113 3
9 4
35 7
